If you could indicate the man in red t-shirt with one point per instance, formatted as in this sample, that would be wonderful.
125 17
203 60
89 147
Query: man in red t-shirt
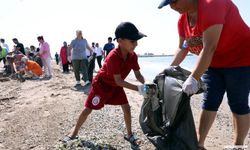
214 30
107 86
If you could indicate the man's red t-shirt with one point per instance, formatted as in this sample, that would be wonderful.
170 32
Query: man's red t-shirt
115 64
233 49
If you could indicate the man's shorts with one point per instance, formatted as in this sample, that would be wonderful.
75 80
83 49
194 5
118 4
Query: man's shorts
102 93
234 81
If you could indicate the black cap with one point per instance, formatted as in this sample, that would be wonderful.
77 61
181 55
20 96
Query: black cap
164 3
128 30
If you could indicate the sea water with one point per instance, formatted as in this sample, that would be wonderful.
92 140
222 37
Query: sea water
151 66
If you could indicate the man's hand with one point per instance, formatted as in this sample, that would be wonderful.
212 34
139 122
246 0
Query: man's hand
190 86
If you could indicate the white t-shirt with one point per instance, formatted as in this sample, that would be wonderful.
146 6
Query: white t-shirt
87 52
98 51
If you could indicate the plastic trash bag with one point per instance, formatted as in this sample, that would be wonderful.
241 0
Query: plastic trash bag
166 116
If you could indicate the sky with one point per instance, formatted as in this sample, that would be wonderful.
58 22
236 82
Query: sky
57 21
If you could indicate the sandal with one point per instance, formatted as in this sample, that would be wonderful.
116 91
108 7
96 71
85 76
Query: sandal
134 141
69 138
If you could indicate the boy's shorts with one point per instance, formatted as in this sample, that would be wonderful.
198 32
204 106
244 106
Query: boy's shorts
234 81
102 93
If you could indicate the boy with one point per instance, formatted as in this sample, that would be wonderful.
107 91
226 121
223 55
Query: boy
107 86
32 68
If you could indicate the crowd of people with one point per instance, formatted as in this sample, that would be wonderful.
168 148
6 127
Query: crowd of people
26 63
82 57
78 56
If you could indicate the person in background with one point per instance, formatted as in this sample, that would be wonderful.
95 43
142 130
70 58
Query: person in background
57 58
32 69
91 62
3 54
107 86
45 55
88 52
93 47
108 47
214 30
33 49
31 52
37 58
20 45
64 57
69 57
3 57
14 59
99 52
4 45
79 57
91 66
27 51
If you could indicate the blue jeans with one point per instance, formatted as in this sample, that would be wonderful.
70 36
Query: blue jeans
234 81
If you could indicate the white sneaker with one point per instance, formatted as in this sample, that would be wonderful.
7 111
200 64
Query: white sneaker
78 82
87 83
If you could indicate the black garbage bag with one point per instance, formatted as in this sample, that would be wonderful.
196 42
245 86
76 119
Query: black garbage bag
166 116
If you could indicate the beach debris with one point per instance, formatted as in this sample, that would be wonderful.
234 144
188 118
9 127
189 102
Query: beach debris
46 114
7 98
81 144
55 95
4 79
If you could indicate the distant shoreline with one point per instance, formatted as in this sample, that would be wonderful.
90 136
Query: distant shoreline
160 55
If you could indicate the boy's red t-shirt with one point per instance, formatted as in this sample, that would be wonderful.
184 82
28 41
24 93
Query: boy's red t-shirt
115 64
104 89
233 49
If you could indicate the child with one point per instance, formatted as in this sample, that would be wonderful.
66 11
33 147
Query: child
107 86
32 68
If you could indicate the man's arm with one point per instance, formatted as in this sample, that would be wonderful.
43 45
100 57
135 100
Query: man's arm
210 40
90 49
